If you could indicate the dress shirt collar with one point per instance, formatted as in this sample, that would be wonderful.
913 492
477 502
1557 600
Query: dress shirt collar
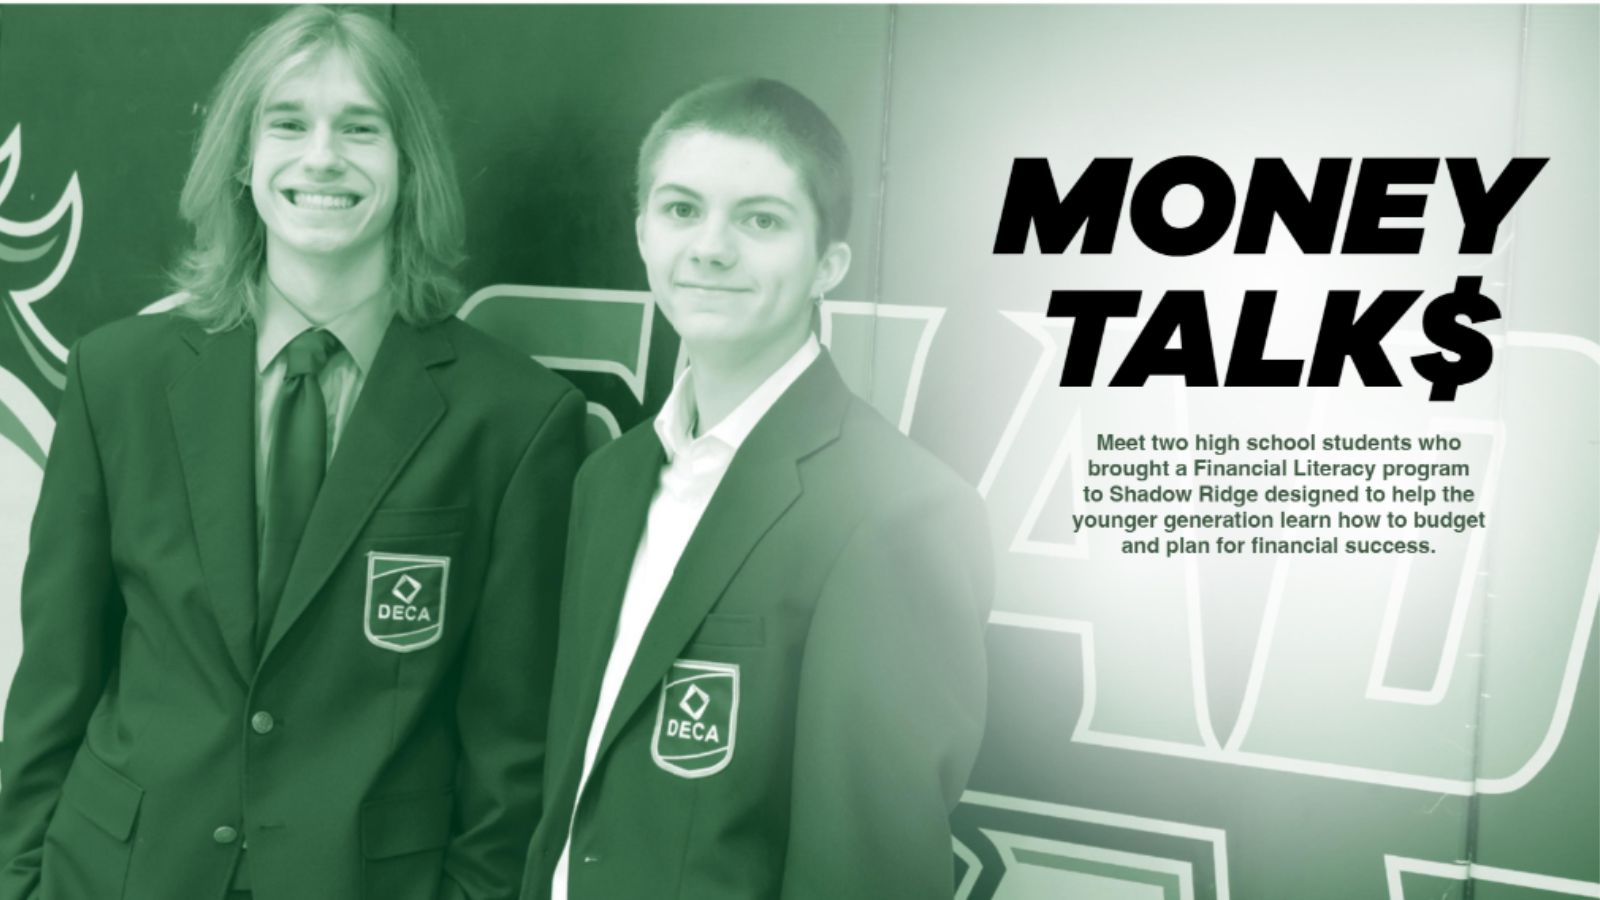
675 423
359 329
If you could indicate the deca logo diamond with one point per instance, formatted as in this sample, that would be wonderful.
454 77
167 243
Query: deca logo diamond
406 589
695 702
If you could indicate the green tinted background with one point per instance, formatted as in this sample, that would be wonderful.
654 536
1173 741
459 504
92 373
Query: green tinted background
1116 764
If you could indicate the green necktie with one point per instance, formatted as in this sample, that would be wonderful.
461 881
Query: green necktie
296 461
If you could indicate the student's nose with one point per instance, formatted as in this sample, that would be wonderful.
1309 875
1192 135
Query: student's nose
322 151
713 243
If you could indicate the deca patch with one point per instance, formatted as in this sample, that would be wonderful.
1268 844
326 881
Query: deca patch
405 600
696 718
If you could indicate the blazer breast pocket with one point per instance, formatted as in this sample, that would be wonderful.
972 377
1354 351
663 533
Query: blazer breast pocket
409 557
413 524
730 630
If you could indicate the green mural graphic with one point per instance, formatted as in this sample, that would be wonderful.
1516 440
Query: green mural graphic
35 254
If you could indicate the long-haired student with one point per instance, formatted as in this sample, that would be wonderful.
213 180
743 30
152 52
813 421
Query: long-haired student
289 606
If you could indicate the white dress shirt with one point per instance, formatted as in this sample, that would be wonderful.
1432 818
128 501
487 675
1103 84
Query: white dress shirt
694 468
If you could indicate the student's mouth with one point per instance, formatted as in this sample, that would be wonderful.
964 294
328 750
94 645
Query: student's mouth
712 288
321 200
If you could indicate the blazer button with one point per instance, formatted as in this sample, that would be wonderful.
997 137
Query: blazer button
591 857
225 835
261 722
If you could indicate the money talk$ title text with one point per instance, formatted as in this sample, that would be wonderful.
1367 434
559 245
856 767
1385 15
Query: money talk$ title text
1094 204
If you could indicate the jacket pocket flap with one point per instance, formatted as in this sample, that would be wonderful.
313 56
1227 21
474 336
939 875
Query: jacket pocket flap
393 826
402 522
724 630
103 795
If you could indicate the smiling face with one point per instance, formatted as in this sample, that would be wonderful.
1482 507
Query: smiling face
325 169
728 237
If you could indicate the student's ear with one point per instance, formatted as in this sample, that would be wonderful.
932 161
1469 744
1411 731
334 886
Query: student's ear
831 268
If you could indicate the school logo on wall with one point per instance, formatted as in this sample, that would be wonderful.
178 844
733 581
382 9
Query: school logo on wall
696 717
35 254
405 600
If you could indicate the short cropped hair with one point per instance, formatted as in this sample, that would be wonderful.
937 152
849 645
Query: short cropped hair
221 268
777 115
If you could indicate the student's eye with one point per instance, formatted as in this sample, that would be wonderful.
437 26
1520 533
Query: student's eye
285 126
680 209
362 129
764 221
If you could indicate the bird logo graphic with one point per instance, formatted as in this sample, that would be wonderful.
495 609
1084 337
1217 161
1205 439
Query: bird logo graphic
35 255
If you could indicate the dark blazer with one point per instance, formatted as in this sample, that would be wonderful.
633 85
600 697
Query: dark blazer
830 608
144 740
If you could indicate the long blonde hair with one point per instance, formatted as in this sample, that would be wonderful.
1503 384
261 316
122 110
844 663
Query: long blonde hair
221 269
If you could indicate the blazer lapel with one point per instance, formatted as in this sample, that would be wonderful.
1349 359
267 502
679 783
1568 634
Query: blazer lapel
762 482
615 517
213 418
622 495
398 406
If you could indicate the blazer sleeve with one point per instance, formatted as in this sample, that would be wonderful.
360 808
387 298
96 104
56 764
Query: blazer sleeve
891 705
503 699
72 617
